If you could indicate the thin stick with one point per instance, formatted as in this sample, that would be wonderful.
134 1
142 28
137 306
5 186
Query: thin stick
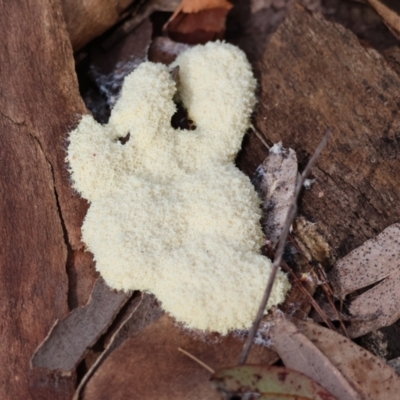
316 306
329 295
281 245
205 366
262 140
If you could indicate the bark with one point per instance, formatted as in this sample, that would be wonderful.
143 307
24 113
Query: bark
314 74
41 216
87 19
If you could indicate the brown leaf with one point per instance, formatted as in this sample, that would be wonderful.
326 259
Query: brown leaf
368 374
69 338
374 260
194 6
376 308
142 311
198 28
275 179
148 365
299 353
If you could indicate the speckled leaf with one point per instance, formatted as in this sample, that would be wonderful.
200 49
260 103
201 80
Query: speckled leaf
374 260
368 374
268 382
377 307
275 180
299 353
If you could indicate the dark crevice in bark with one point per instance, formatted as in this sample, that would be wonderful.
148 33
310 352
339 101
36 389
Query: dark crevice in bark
72 298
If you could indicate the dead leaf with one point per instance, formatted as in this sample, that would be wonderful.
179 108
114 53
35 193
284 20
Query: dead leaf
144 310
69 339
275 179
313 244
194 6
269 382
198 28
148 364
376 308
374 260
198 21
368 374
299 353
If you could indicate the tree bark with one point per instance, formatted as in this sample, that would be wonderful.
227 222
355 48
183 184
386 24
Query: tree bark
40 214
87 19
315 74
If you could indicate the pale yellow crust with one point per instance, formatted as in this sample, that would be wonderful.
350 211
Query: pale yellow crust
170 213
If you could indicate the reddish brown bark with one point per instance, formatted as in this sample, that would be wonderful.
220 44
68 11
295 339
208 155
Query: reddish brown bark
40 215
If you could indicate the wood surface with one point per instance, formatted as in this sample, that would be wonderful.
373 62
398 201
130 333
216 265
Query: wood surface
40 215
88 19
313 75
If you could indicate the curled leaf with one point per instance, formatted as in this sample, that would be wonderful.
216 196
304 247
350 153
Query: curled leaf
275 180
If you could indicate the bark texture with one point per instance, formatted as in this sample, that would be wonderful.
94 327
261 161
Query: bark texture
87 19
314 74
40 215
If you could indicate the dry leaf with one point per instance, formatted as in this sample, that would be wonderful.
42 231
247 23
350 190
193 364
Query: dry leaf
148 365
374 260
69 339
194 6
299 353
144 310
198 21
275 179
270 382
198 28
368 374
376 308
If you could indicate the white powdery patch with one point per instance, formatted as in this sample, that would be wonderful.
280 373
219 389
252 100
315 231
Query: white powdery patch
169 212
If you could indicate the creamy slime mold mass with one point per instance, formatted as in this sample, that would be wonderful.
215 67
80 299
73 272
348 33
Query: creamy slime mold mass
169 212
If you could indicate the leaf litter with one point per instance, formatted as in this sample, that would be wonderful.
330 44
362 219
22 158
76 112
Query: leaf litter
376 261
332 360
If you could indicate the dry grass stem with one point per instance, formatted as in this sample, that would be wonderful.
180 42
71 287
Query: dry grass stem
191 356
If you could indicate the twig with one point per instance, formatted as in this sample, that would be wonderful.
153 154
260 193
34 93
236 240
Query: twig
261 139
316 306
281 245
204 365
329 295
